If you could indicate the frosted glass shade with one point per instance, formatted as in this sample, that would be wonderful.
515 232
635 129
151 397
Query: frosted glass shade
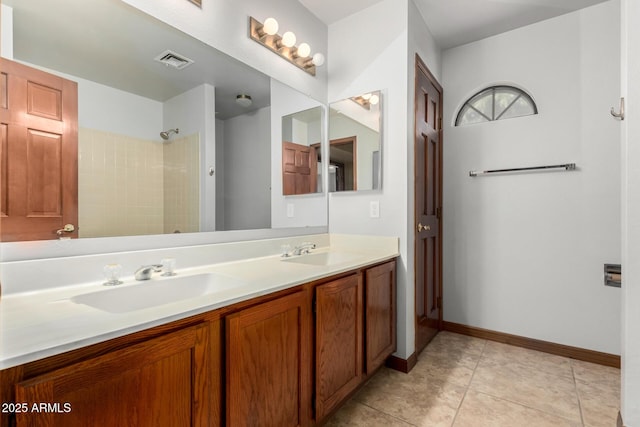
318 59
288 39
270 26
304 50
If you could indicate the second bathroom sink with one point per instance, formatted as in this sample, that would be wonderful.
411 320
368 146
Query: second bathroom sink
324 258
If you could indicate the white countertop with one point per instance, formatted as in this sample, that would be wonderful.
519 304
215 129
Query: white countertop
46 322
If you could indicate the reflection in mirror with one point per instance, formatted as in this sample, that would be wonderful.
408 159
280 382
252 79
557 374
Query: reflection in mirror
301 142
212 172
355 143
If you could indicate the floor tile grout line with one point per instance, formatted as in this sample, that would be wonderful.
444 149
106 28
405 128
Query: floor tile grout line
575 385
466 390
482 356
385 413
524 405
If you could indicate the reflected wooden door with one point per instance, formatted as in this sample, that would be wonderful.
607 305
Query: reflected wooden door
428 205
39 151
299 169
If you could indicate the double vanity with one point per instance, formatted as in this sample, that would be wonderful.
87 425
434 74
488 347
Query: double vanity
250 337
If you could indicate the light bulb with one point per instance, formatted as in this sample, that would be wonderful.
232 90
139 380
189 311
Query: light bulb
374 99
288 39
270 26
318 59
366 96
304 50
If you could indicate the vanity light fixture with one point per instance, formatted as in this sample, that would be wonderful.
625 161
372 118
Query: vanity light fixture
366 100
267 35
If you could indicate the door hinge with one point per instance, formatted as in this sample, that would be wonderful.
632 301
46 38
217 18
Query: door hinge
439 303
439 213
439 123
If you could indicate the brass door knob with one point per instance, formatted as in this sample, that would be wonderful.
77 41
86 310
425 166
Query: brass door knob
68 228
423 227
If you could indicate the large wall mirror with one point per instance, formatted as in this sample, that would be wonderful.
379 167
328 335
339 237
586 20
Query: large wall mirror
173 135
355 143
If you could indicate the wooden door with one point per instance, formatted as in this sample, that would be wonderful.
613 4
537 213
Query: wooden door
380 314
343 153
268 364
39 149
428 205
148 384
339 345
299 169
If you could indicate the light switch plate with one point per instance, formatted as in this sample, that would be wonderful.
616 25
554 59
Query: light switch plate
290 210
374 209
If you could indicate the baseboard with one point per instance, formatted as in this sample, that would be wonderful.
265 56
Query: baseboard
402 365
534 344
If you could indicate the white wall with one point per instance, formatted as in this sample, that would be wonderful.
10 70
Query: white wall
6 31
220 173
630 398
361 62
224 25
193 112
524 253
247 189
309 209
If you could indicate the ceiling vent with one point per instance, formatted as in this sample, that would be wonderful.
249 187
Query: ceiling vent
170 58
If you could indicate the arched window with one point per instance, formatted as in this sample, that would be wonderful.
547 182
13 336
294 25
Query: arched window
496 103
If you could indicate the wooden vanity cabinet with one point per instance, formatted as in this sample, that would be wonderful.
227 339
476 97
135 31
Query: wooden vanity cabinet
267 364
265 361
162 381
339 341
355 332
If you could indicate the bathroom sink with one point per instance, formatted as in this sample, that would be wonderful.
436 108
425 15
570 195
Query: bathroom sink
324 258
156 292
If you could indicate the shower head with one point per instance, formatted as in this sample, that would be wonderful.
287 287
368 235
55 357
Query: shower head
166 134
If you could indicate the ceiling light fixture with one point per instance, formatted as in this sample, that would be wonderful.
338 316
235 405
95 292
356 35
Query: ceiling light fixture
285 46
244 101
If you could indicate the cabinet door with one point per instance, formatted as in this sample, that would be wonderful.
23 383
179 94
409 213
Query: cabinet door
338 341
147 384
268 364
380 314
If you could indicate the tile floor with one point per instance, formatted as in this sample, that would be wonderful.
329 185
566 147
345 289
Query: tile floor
469 382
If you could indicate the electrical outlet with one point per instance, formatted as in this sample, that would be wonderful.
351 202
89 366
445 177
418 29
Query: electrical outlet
290 210
374 209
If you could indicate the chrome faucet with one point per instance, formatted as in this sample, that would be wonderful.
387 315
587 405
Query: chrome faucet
304 248
144 272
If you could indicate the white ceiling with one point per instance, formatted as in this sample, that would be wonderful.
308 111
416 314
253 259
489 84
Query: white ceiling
456 22
78 37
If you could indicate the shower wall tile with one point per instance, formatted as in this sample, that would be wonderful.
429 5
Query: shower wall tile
120 188
182 184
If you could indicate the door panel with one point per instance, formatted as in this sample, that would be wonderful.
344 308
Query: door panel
380 314
162 381
267 364
428 205
39 119
338 341
299 169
